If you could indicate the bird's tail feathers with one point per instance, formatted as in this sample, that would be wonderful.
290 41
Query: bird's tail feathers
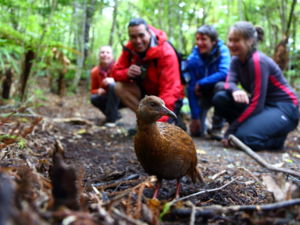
197 175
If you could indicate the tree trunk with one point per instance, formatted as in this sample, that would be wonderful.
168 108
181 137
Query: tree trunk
170 19
113 25
182 41
281 54
82 36
61 86
26 68
6 84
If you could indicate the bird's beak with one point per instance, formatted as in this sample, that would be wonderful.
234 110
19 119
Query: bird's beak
167 112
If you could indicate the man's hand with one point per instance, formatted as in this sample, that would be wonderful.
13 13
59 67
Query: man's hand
108 80
134 72
101 91
195 127
225 142
240 96
198 90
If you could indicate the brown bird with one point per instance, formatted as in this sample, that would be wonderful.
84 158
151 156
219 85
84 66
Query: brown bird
163 149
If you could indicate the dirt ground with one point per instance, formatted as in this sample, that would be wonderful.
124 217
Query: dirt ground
112 187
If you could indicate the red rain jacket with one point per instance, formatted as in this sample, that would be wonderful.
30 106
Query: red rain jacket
163 75
97 76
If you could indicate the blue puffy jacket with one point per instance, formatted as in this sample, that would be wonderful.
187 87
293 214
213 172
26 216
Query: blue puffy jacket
206 71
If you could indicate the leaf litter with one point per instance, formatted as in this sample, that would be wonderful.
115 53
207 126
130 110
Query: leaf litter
58 166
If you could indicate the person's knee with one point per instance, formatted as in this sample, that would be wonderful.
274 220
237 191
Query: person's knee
252 141
220 98
256 142
111 87
118 88
219 86
93 99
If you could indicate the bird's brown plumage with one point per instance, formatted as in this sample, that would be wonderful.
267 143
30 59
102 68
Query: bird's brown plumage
163 149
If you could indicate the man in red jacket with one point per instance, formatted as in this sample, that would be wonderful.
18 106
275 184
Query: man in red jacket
102 86
148 65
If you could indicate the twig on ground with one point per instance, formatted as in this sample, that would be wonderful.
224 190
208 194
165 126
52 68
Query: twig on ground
119 195
193 213
126 218
260 160
251 174
215 176
73 120
215 210
139 201
126 180
202 192
169 204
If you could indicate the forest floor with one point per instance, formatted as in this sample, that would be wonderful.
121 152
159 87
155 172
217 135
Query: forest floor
98 180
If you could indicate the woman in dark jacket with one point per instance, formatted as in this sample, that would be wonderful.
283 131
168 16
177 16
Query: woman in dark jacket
265 110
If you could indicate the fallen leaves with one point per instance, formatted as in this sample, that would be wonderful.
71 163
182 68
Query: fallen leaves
101 182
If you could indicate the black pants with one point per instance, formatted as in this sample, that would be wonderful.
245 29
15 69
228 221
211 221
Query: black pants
266 130
179 121
108 104
205 103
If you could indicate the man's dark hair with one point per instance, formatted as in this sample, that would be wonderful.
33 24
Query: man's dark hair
208 30
136 22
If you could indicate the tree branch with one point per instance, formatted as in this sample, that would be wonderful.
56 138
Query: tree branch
260 160
219 210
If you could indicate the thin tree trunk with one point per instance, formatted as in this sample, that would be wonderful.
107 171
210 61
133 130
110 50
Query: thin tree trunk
281 54
6 84
240 9
113 25
170 18
26 68
78 41
291 17
181 43
160 12
82 36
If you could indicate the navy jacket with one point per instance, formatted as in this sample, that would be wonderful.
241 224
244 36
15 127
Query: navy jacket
263 80
206 71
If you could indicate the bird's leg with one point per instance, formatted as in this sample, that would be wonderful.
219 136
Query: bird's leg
177 188
157 186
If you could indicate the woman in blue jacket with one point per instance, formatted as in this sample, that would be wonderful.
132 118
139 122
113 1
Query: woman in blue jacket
207 64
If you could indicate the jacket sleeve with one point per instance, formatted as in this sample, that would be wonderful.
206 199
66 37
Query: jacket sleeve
193 99
223 66
170 87
232 77
94 81
120 69
259 85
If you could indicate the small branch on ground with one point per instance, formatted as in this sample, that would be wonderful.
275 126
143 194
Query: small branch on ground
73 120
215 210
260 160
202 192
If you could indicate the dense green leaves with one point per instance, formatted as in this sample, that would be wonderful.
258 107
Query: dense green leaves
78 27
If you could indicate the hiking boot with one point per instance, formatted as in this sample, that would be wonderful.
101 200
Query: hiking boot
110 124
131 131
215 133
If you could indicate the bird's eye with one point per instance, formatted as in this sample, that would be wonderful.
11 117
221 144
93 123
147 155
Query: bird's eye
152 104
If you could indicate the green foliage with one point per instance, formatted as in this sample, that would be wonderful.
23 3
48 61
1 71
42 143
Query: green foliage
39 94
4 137
42 25
21 143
